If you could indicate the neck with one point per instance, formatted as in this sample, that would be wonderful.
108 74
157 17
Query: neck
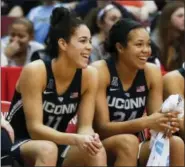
126 72
63 69
20 59
102 36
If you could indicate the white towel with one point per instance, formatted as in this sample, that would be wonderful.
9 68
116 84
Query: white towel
159 145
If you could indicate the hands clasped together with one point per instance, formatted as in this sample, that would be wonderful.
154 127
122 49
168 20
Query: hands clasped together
168 120
5 124
89 143
165 122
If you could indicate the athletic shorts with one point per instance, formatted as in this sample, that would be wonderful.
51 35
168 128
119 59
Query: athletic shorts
15 151
6 145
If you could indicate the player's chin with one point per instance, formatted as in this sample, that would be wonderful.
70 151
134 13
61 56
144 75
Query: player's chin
141 66
85 66
82 66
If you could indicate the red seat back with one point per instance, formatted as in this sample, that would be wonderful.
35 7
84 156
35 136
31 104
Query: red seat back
13 74
163 71
3 84
9 77
5 105
72 127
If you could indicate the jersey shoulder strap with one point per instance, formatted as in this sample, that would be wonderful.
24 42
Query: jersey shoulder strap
50 77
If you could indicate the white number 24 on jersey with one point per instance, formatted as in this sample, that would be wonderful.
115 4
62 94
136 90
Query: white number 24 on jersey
121 116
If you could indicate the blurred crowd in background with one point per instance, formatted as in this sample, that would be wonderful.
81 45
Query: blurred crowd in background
25 25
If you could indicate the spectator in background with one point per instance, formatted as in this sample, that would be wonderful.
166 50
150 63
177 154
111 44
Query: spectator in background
173 83
40 16
100 20
169 35
18 47
100 26
85 6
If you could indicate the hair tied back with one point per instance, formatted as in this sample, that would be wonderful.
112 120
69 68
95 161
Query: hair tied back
59 14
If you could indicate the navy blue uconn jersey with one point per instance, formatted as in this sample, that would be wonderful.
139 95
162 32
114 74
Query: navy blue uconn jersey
126 105
58 110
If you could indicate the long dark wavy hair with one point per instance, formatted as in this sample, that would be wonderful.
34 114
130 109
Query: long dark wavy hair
168 44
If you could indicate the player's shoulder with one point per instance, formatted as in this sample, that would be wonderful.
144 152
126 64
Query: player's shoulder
172 76
151 67
152 70
34 69
96 68
153 74
103 71
89 71
33 74
173 73
89 77
99 65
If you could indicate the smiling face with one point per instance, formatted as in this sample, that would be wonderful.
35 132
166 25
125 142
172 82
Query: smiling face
177 19
79 47
138 48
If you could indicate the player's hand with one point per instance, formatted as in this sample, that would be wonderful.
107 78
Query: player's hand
89 143
5 124
12 48
161 122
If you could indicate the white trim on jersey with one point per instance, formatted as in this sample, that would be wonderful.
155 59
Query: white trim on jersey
4 157
14 109
63 155
18 144
141 136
